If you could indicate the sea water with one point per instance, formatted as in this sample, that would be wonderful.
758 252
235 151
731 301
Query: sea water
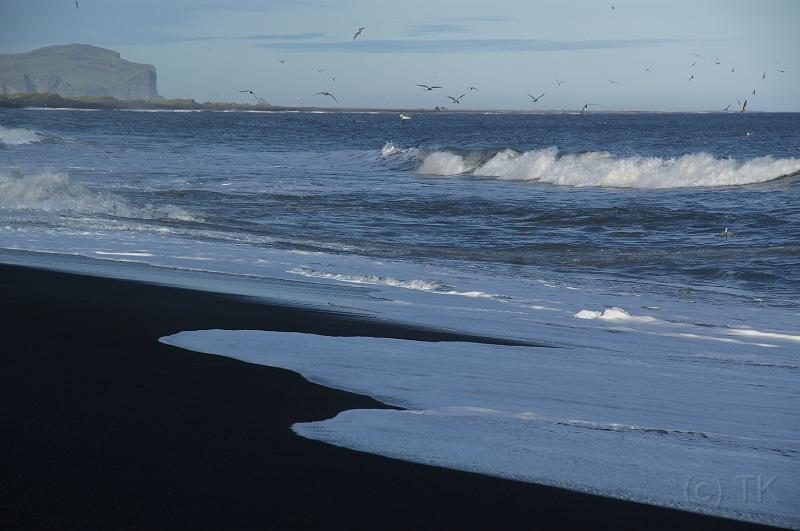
669 371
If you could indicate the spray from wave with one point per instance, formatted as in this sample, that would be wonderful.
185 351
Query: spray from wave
12 136
55 192
598 168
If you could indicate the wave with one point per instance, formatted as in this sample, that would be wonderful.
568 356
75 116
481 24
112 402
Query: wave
55 192
12 136
597 168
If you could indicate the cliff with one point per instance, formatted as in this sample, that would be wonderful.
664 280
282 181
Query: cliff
77 70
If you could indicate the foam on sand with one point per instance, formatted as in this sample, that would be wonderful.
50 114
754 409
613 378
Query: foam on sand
641 424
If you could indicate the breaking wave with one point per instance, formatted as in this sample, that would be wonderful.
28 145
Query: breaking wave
55 192
597 168
12 136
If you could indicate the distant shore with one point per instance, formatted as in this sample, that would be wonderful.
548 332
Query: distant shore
28 100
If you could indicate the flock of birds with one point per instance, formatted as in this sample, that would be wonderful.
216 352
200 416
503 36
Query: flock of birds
456 100
534 99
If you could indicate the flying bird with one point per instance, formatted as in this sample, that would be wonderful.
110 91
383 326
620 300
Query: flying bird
646 69
474 88
259 100
613 82
535 98
782 71
324 93
733 69
748 133
321 70
691 77
559 83
744 105
717 61
693 64
360 30
698 55
281 61
728 106
458 99
76 4
586 107
754 92
405 117
426 87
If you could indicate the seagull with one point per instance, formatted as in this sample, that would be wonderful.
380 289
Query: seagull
76 4
426 87
613 82
252 94
693 65
744 105
728 106
733 69
535 98
782 71
458 99
726 233
748 133
321 70
358 32
698 55
324 93
405 117
586 107
764 75
281 61
754 92
559 83
646 69
717 61
612 7
474 88
691 77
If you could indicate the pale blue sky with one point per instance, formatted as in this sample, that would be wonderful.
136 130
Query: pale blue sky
208 50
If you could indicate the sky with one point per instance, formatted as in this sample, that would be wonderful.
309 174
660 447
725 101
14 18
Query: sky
209 50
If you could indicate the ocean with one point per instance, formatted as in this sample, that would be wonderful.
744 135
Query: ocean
668 353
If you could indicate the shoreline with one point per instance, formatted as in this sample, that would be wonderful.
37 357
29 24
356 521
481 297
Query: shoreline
110 428
40 101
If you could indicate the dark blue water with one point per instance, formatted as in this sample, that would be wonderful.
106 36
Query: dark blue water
641 196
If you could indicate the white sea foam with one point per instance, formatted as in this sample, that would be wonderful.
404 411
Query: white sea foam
641 424
433 286
603 169
55 192
13 136
615 314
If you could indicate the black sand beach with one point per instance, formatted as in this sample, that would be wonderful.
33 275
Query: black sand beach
106 428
